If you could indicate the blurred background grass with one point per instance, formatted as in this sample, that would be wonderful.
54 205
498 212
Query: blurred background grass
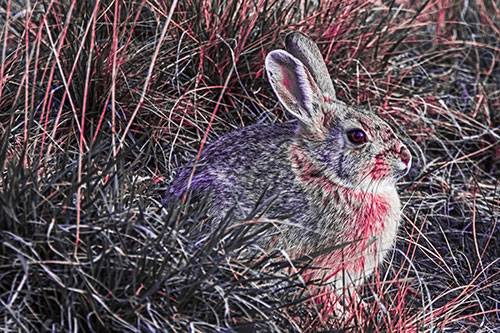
102 101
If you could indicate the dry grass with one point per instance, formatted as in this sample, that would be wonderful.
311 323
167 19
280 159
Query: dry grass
102 101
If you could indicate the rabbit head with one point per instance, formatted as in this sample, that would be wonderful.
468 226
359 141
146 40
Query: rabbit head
350 146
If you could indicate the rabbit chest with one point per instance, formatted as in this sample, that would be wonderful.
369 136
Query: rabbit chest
363 223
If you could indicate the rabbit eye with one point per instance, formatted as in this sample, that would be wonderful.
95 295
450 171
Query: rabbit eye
357 136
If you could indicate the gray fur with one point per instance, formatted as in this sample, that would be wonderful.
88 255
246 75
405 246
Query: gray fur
308 53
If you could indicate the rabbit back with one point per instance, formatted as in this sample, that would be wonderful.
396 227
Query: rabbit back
240 166
237 169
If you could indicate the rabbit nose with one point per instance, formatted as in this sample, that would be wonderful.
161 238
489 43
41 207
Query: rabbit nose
404 154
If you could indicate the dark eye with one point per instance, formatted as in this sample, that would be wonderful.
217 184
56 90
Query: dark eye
357 136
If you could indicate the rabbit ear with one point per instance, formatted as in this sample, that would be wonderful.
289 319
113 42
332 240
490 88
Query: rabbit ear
295 88
304 49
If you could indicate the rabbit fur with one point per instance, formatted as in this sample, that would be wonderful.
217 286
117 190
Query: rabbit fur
333 171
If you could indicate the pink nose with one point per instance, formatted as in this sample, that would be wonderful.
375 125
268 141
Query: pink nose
405 155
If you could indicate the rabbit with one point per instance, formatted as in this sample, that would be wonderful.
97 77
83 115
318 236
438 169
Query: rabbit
332 171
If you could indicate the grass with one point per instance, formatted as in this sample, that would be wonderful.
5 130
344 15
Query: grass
101 102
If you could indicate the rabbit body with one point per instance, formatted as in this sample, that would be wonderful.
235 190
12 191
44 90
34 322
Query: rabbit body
333 172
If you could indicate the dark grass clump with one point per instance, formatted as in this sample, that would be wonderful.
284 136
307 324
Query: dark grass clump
102 101
130 264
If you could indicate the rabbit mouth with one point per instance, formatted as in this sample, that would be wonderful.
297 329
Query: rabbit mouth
402 169
395 166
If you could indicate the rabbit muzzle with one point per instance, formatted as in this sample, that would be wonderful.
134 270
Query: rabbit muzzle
404 163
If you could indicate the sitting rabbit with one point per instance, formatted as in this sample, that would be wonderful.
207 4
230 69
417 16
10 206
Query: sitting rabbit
333 172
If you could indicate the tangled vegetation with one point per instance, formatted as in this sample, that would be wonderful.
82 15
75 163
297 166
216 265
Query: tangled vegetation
102 101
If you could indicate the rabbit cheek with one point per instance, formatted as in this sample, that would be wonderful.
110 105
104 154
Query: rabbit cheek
380 169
